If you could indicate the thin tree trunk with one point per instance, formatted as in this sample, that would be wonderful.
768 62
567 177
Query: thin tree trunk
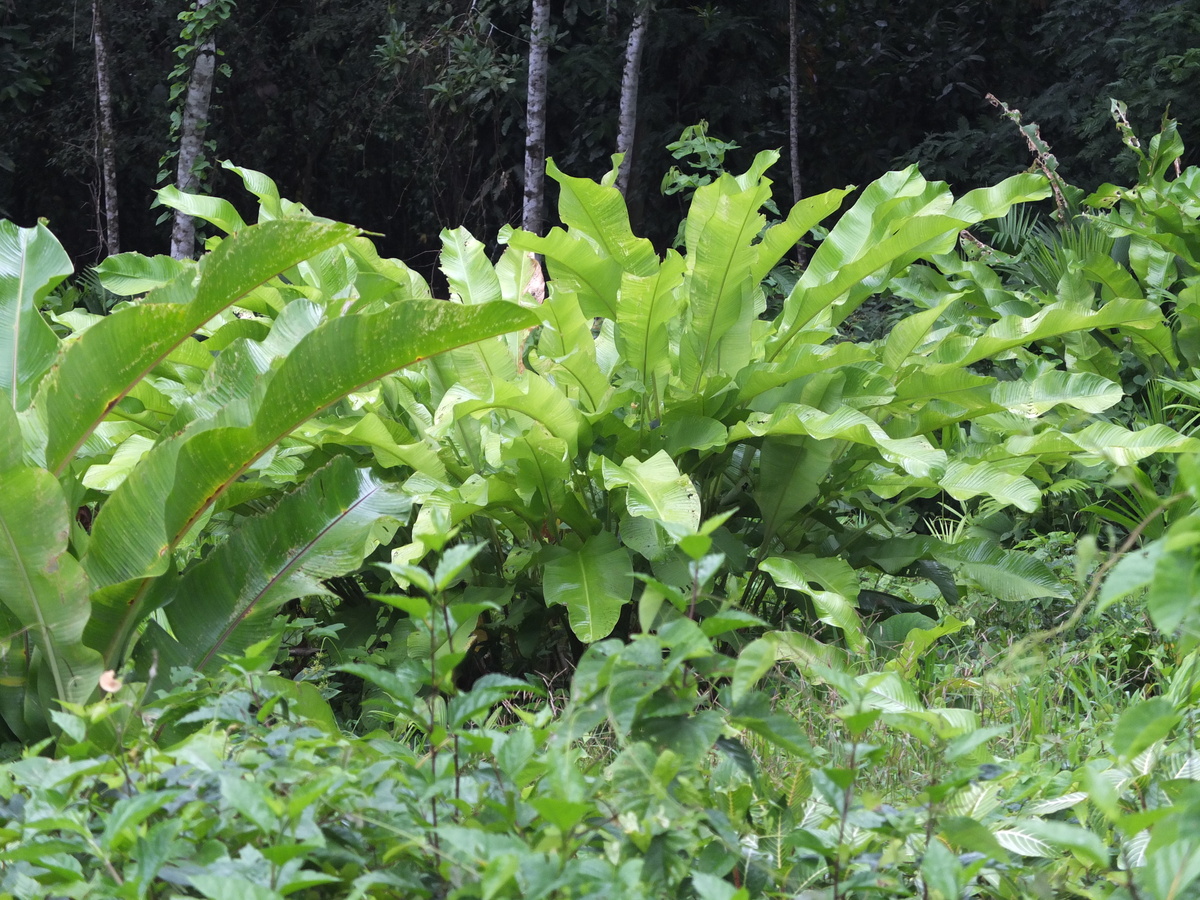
535 119
108 135
191 139
630 81
794 100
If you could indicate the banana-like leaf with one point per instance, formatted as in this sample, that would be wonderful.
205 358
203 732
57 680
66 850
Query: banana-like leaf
1042 391
899 218
262 187
832 585
589 259
791 470
1103 441
32 263
801 359
916 455
12 448
104 364
910 332
723 220
645 307
466 266
1005 574
995 201
657 491
964 480
184 475
218 211
593 582
42 586
783 236
566 351
1051 321
226 603
576 265
532 396
129 274
598 212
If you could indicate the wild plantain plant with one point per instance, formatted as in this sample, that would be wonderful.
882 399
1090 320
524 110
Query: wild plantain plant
656 435
132 444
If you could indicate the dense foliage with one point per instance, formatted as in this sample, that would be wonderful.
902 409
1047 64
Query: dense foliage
687 574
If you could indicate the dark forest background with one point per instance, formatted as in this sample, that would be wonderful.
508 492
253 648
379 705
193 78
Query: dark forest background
404 117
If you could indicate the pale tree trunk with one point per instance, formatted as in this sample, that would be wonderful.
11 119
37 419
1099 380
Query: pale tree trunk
107 134
794 110
191 139
630 80
535 118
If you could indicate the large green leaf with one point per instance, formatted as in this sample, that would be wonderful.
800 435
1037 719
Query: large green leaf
598 212
12 447
32 263
566 352
1103 441
1005 574
106 361
1054 320
226 603
916 455
964 480
531 396
645 307
723 220
1042 391
657 491
589 258
216 210
41 584
898 218
129 274
184 475
593 582
791 469
466 266
831 583
783 236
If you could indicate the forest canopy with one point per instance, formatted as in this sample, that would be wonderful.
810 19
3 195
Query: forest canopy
403 117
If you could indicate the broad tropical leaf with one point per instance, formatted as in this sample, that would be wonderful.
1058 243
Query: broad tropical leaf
226 603
104 364
41 584
593 582
180 479
32 263
657 491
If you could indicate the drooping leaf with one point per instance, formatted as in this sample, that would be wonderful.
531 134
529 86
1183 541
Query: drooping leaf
41 584
217 210
963 480
226 603
104 364
184 475
791 470
32 263
831 583
1005 574
129 274
593 582
467 268
657 491
916 455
